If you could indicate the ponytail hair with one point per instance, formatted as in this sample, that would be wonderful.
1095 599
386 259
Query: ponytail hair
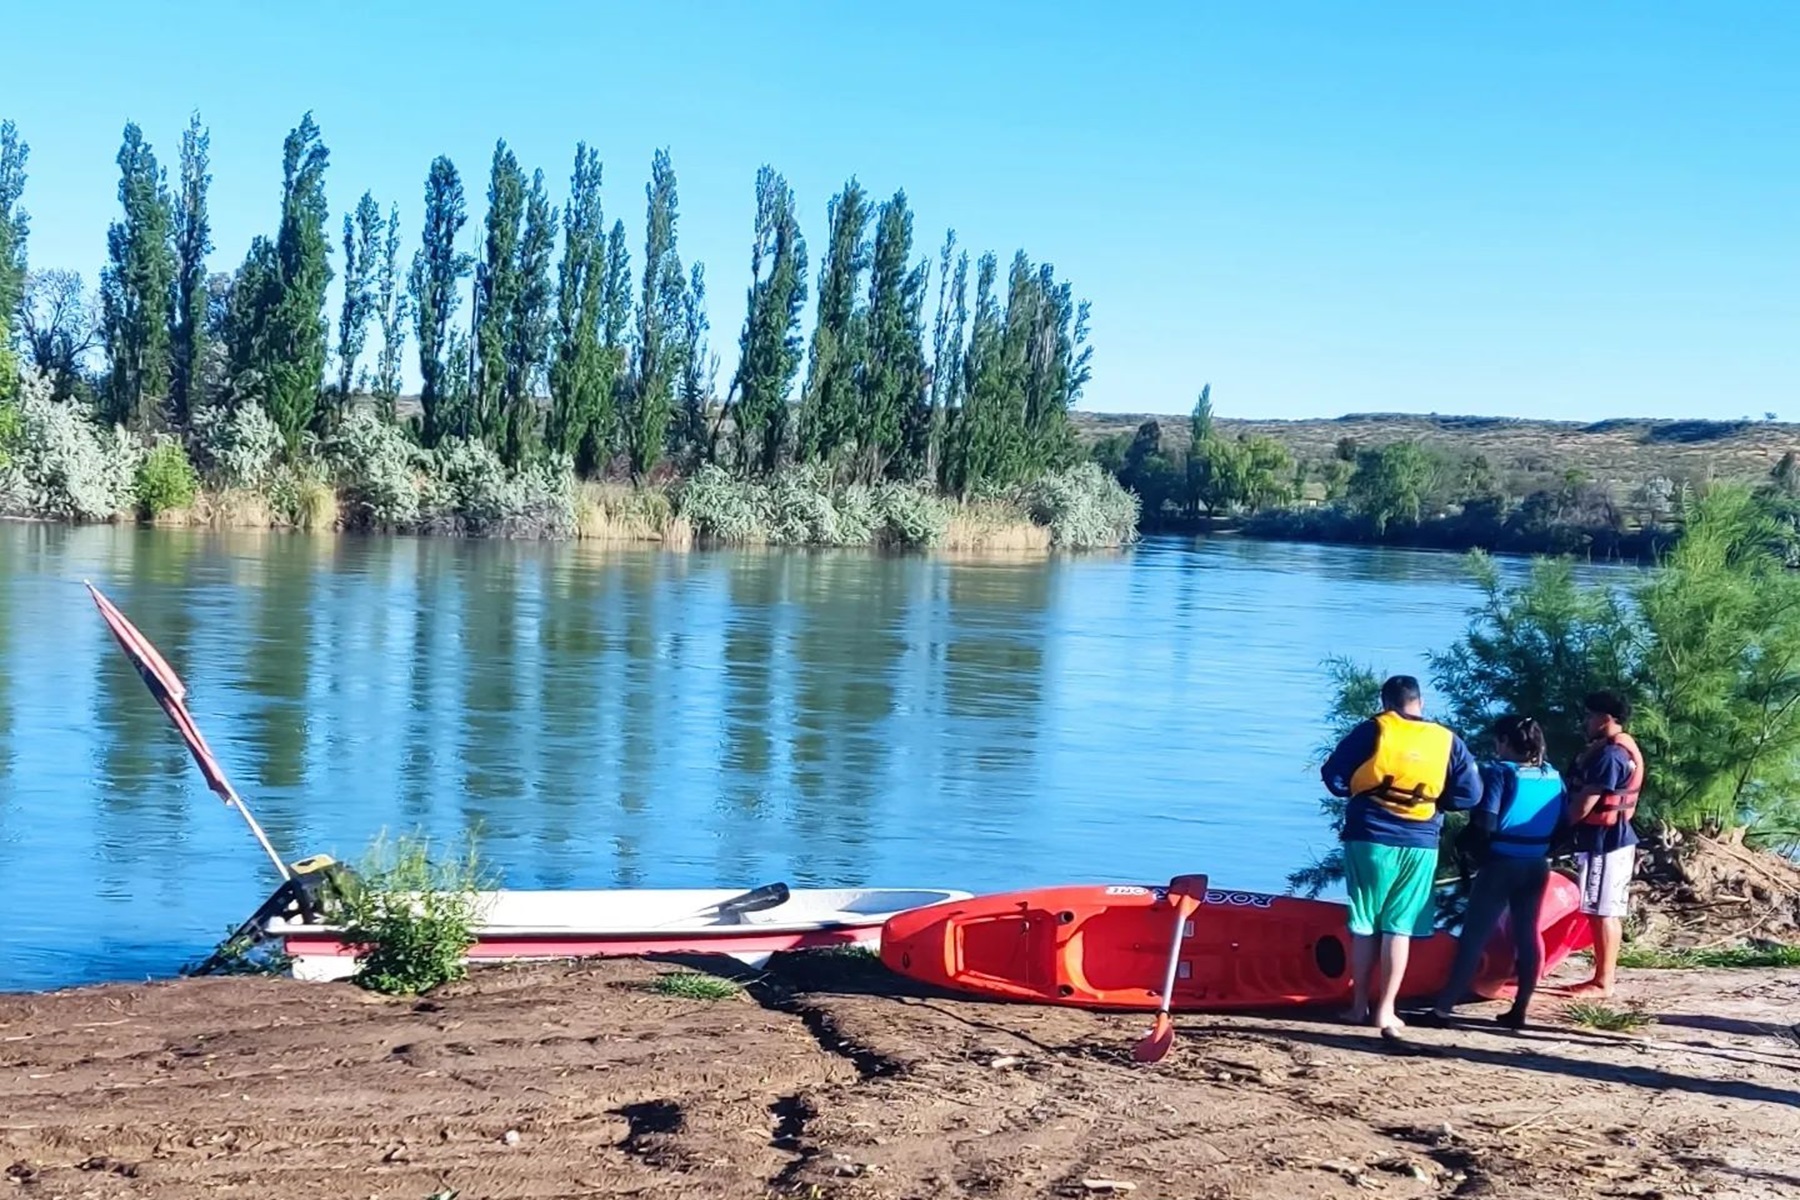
1522 734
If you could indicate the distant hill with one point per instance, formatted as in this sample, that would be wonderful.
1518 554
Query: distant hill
1622 452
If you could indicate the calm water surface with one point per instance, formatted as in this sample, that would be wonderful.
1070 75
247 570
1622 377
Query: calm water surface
633 718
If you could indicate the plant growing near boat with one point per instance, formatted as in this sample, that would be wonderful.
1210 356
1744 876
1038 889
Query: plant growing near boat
1591 1014
414 916
1725 958
242 954
166 480
693 985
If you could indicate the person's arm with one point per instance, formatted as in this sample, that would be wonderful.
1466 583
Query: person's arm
1350 754
1462 783
1486 816
1610 772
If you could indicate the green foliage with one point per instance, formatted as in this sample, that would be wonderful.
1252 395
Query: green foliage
698 371
1392 483
392 309
414 916
14 227
192 243
364 234
136 287
378 471
475 492
944 395
693 985
890 441
241 954
64 465
281 327
1084 508
769 347
582 370
659 348
1723 958
1591 1014
166 480
829 401
239 445
802 506
435 282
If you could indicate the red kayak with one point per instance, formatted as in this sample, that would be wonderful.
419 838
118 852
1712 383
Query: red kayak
1108 947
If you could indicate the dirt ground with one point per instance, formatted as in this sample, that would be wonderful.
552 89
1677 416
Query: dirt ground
831 1079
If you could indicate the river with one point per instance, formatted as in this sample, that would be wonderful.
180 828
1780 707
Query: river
626 718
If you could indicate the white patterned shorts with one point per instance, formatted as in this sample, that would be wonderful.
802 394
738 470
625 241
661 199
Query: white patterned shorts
1606 881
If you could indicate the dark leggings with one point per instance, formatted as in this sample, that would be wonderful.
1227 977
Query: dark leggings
1514 885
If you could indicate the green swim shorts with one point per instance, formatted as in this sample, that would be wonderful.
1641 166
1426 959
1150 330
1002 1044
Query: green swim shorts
1390 888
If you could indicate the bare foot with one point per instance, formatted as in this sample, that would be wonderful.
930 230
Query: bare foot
1389 1021
1591 989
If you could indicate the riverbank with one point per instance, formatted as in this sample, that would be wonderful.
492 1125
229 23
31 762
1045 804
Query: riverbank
830 1079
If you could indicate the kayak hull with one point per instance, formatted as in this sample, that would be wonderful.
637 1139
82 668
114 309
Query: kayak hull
1107 947
525 926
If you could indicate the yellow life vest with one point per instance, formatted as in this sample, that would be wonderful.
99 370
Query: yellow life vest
1406 773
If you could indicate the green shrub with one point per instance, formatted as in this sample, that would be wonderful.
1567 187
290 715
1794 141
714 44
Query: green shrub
722 508
239 445
1084 507
474 492
692 985
413 916
166 480
377 469
64 465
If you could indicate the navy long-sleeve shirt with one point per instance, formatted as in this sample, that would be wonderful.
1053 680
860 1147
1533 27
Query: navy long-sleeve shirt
1367 821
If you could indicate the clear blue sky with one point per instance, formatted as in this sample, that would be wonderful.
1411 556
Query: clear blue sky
1534 209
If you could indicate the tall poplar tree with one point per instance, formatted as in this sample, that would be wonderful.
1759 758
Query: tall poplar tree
137 287
698 368
391 312
528 330
828 407
435 283
14 226
659 323
497 288
980 449
947 330
769 349
581 373
893 376
193 242
280 330
363 234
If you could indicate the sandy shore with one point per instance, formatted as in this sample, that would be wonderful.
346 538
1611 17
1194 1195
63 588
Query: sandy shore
828 1079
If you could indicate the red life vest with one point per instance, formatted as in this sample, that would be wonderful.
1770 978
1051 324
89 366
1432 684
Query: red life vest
1613 807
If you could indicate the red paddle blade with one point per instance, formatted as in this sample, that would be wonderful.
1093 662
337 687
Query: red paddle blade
1157 1042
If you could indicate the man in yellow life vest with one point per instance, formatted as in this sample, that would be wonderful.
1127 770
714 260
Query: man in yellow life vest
1400 773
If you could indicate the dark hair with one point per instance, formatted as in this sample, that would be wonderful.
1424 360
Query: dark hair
1398 692
1609 704
1521 733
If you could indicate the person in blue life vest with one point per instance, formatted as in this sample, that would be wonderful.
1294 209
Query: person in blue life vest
1603 798
1520 815
1399 773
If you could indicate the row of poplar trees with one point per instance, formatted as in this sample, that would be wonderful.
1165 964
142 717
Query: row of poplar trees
575 355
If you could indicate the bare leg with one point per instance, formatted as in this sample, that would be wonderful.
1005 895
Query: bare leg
1362 968
1395 950
1608 933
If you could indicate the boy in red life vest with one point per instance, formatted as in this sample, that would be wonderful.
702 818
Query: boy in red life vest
1603 797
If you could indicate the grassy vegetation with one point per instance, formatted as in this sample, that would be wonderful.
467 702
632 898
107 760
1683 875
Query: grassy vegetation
693 985
414 916
1724 958
1591 1014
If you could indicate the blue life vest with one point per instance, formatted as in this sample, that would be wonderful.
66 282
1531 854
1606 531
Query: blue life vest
1531 806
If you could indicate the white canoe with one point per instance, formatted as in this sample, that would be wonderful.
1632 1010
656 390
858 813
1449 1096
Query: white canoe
540 925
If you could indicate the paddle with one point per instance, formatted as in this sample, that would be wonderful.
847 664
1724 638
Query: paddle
769 895
1185 895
